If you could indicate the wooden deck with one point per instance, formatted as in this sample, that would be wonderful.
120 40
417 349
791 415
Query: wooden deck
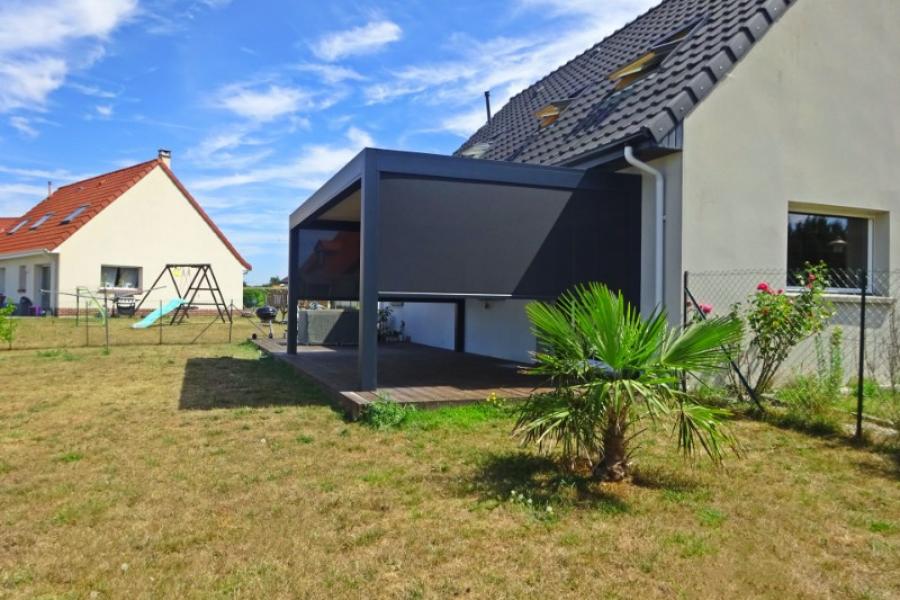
409 374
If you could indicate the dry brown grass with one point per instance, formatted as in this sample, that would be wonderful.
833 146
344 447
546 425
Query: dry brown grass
198 471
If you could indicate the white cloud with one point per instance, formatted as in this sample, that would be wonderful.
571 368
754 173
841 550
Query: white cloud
41 41
104 110
34 25
262 104
307 171
365 39
23 126
331 74
58 176
17 198
90 90
222 149
465 123
26 83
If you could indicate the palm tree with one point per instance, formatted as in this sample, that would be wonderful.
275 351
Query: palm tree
609 370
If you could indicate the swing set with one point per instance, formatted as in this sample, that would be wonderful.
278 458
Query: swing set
203 280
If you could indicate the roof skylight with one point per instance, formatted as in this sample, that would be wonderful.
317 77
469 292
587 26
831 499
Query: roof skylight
476 150
550 113
41 220
17 226
651 60
74 214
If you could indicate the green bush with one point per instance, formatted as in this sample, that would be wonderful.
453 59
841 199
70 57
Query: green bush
254 297
810 404
385 414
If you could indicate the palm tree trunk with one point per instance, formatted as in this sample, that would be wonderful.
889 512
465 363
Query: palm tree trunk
614 466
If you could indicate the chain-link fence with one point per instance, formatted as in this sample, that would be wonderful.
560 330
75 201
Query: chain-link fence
860 337
89 329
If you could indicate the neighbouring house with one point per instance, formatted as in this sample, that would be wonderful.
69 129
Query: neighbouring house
704 135
113 232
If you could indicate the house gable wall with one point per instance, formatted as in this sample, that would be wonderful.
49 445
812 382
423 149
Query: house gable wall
150 225
809 117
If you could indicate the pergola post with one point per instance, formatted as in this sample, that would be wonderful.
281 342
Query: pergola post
459 334
293 286
368 276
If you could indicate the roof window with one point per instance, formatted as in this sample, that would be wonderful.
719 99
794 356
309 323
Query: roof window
651 60
476 150
550 113
41 220
74 214
17 226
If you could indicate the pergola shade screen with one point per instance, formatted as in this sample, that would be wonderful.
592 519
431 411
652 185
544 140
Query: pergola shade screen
444 237
454 238
328 264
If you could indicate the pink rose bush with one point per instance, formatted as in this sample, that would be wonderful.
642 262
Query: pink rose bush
777 322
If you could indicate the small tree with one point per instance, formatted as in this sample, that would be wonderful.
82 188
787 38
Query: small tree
609 369
274 281
7 325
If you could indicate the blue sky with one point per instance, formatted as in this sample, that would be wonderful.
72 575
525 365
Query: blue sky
261 101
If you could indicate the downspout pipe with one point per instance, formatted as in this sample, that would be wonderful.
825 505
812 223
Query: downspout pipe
660 206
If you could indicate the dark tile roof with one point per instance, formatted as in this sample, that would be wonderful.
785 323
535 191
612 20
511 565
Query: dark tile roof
598 116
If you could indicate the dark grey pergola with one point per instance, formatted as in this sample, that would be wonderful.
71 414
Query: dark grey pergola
441 228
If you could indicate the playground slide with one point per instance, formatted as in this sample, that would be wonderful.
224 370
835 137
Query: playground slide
151 318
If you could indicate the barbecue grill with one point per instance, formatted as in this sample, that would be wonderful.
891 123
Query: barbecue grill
267 315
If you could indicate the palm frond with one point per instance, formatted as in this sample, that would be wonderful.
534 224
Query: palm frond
698 425
700 347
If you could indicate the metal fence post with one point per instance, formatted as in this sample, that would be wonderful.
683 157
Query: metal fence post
106 319
230 318
160 320
87 324
684 322
77 305
860 379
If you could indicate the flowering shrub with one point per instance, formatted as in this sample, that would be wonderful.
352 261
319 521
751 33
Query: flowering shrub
778 322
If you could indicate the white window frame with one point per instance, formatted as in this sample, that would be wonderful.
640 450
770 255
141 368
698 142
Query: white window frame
140 278
870 251
41 220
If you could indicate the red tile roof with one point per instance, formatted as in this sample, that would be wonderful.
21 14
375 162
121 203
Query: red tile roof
96 194
7 222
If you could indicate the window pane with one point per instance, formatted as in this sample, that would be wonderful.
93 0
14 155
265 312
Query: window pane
119 277
108 277
842 243
128 278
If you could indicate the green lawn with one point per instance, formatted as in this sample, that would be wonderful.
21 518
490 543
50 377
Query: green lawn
208 470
